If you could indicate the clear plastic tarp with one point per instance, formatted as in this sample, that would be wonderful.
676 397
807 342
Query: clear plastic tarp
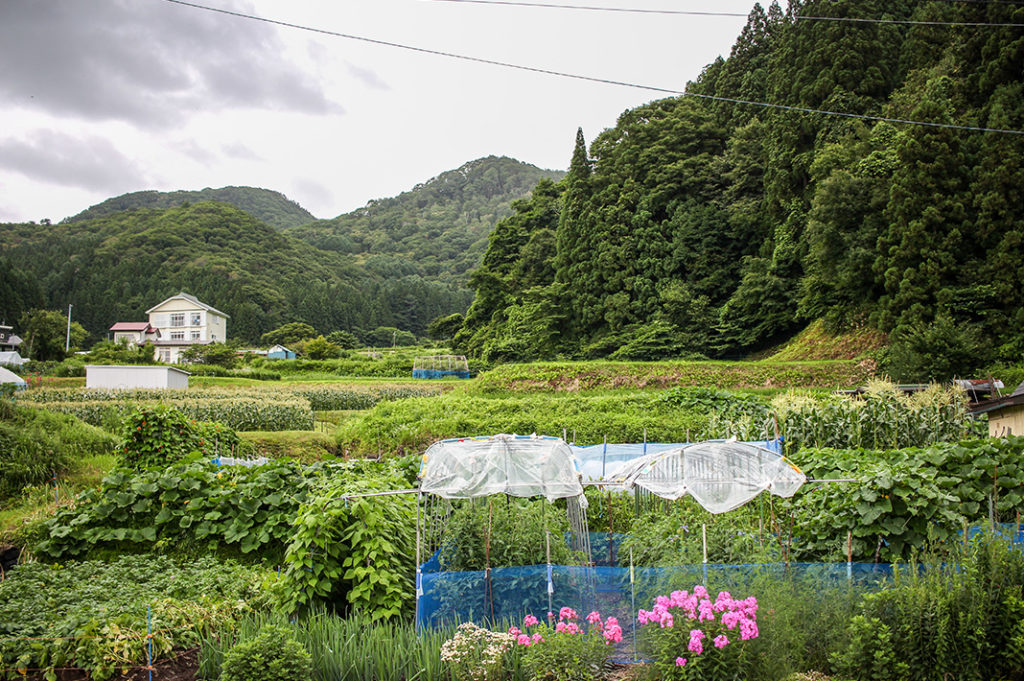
518 465
603 462
720 476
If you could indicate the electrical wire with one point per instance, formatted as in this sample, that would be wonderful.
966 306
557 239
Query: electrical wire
632 10
594 79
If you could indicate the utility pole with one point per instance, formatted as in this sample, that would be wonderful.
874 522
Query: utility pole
67 341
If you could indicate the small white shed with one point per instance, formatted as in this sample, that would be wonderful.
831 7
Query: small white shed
116 377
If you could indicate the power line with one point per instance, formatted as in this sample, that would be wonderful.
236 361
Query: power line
632 10
592 79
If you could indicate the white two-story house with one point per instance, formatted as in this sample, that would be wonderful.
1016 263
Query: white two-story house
184 320
174 325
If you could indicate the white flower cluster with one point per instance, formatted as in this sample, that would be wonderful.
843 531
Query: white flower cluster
476 654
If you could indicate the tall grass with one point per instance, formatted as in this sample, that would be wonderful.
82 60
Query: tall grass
349 649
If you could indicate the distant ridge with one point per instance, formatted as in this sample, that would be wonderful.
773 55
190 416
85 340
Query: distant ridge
273 208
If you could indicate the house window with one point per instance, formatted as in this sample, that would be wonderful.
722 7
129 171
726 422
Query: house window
177 335
196 319
178 319
165 356
194 335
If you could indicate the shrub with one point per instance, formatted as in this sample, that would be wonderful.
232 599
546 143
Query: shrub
567 650
274 655
695 637
958 620
476 654
156 436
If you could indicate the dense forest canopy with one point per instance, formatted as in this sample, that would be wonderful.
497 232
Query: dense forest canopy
116 267
273 208
121 257
698 225
440 227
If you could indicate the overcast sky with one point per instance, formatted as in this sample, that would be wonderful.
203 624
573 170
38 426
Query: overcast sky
103 97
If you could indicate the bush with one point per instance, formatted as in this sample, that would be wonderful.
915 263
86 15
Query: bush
274 655
961 620
567 650
156 436
940 351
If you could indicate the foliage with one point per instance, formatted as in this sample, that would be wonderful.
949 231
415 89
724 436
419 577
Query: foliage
354 648
818 342
35 446
439 228
476 654
700 638
411 425
566 649
883 417
45 334
358 549
906 500
93 615
444 328
956 620
109 352
343 339
123 263
288 333
273 655
157 436
577 376
674 535
195 507
504 531
217 354
321 348
939 351
240 413
271 207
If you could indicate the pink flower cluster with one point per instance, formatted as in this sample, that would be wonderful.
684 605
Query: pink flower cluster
698 607
609 628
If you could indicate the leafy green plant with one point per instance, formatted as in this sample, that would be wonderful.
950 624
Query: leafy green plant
156 436
568 649
273 655
93 615
358 550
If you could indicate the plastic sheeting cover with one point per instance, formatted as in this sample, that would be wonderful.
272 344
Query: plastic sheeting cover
721 476
521 466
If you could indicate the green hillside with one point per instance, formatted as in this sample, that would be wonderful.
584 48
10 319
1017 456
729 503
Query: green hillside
115 267
702 226
440 227
273 208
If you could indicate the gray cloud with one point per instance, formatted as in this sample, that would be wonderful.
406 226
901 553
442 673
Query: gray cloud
240 151
57 158
368 77
144 62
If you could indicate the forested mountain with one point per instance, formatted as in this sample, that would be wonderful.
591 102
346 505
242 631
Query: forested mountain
438 229
273 208
116 267
699 225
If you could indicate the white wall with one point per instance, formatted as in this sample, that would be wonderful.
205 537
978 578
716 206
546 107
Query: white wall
128 377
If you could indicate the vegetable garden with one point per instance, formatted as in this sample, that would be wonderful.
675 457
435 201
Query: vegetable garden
894 572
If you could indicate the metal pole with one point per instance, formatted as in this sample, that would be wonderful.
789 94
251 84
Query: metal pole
849 555
704 533
149 641
419 575
551 581
604 456
67 342
632 597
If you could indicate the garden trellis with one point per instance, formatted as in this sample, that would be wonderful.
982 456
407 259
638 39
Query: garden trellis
516 465
440 366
